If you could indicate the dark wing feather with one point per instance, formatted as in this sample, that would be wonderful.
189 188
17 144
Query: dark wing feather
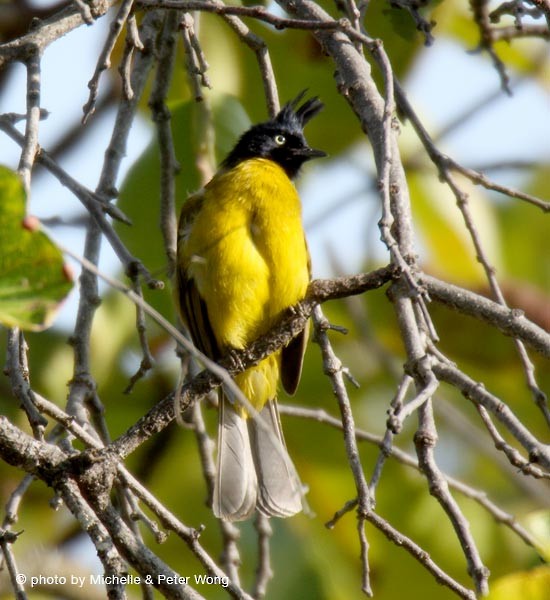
292 355
292 358
192 307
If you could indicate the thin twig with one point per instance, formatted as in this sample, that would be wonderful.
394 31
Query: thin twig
386 446
419 554
30 145
162 118
94 203
445 165
477 495
425 440
195 60
480 10
260 49
133 42
512 454
526 31
475 391
264 572
12 505
136 514
430 385
201 62
441 160
332 367
147 360
6 539
104 59
17 369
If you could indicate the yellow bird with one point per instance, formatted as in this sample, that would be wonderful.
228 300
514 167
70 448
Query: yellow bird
242 261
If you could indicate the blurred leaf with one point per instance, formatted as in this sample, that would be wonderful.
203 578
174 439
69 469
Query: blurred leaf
526 249
538 523
33 277
527 585
449 250
396 28
226 55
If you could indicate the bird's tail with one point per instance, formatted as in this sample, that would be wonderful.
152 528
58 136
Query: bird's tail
236 486
279 487
254 468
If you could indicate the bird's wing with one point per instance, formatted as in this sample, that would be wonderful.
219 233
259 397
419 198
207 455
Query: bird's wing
292 355
192 306
292 358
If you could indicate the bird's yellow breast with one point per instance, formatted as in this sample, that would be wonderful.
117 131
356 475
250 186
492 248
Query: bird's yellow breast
246 250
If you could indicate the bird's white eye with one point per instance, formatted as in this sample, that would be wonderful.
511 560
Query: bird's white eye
279 139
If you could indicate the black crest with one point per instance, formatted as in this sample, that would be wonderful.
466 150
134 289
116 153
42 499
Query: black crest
281 139
299 117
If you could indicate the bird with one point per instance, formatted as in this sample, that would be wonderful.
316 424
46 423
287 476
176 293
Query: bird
242 261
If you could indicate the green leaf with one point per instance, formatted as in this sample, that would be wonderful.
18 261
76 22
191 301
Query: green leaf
33 277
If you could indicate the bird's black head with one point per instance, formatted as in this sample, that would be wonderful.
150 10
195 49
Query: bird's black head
281 139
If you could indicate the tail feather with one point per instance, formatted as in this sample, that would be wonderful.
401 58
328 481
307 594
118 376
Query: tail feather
279 488
236 485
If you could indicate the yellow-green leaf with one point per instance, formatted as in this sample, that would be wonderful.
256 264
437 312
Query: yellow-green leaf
527 585
33 277
538 524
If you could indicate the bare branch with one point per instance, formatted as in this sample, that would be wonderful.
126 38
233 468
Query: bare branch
425 440
480 9
162 118
479 496
332 367
49 31
194 57
147 360
17 369
188 535
104 60
30 145
509 321
444 167
476 392
264 572
386 445
419 554
133 42
6 539
445 163
512 454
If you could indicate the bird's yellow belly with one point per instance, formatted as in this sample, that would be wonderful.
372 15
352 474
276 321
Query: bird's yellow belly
254 266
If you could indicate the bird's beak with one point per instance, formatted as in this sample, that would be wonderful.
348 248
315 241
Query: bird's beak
309 153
